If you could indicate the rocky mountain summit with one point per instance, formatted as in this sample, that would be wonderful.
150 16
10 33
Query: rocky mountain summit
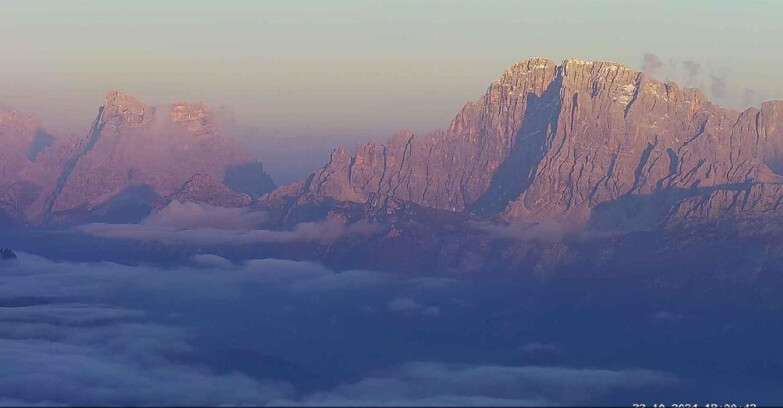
133 156
589 143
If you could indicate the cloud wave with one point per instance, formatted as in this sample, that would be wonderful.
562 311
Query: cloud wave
103 333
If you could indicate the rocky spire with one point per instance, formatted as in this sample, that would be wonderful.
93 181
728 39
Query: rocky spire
120 108
133 148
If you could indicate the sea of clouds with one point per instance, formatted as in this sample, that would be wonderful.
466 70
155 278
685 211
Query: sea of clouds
265 331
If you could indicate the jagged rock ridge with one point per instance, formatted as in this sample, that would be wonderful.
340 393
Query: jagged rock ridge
158 151
135 157
581 141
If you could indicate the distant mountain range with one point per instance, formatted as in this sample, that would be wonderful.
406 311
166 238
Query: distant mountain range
580 149
134 158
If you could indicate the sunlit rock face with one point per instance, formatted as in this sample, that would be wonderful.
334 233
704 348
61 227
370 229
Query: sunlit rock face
134 157
177 151
30 160
583 141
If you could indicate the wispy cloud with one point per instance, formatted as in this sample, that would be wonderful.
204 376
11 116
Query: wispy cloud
651 64
189 223
536 347
719 84
710 77
178 215
692 69
407 305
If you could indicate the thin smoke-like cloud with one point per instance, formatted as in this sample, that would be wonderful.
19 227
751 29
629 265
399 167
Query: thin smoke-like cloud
719 83
651 64
753 97
692 71
714 80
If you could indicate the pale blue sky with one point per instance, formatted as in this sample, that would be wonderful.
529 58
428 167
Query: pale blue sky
362 69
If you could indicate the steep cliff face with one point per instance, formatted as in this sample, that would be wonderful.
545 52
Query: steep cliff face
30 159
576 141
447 169
619 133
159 152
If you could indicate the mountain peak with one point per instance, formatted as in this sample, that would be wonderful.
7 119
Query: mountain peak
128 109
135 151
575 141
578 62
536 62
14 119
195 116
116 98
524 67
122 108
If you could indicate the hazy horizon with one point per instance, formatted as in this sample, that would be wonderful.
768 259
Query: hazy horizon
318 75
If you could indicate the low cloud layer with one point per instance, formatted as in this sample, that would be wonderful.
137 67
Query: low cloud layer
62 341
78 333
426 383
190 223
188 215
221 333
